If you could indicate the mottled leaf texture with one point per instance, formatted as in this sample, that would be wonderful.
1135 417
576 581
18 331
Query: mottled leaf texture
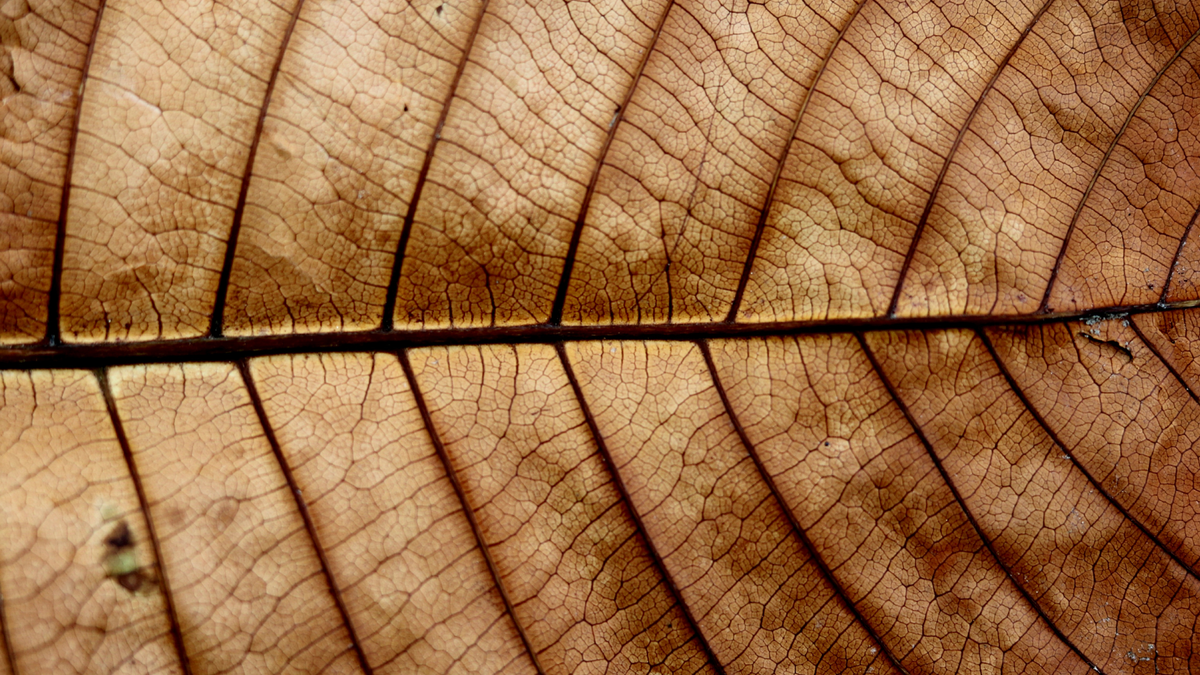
536 337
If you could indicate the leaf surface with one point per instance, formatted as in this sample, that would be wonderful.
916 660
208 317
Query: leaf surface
513 336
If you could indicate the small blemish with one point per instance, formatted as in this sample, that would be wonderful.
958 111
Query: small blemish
120 538
133 582
120 560
109 511
174 516
226 512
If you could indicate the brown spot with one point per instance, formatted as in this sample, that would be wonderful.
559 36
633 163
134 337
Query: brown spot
133 582
226 512
174 516
119 538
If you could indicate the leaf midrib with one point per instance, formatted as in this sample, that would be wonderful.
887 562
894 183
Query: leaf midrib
49 355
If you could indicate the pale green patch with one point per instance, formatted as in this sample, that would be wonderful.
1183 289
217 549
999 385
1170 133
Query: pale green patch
121 563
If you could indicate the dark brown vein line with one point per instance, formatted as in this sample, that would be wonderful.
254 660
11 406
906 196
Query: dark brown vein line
1012 383
962 133
787 151
102 354
302 507
1178 253
564 281
387 321
10 659
1157 354
217 326
123 440
452 475
1062 250
53 318
619 482
797 529
937 462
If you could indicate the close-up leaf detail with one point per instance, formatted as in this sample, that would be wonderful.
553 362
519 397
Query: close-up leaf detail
601 337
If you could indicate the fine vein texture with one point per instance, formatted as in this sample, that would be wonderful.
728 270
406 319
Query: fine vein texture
1124 417
723 535
619 336
856 183
1045 518
582 582
77 572
402 553
43 52
242 567
1131 226
872 501
360 92
164 131
523 135
1171 335
692 162
1033 153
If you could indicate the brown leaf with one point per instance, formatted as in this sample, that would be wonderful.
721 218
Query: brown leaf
515 336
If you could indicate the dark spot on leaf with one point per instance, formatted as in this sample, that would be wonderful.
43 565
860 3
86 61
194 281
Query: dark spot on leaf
174 516
120 560
119 538
226 512
133 582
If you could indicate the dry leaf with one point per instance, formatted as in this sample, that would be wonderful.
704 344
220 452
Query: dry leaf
522 336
